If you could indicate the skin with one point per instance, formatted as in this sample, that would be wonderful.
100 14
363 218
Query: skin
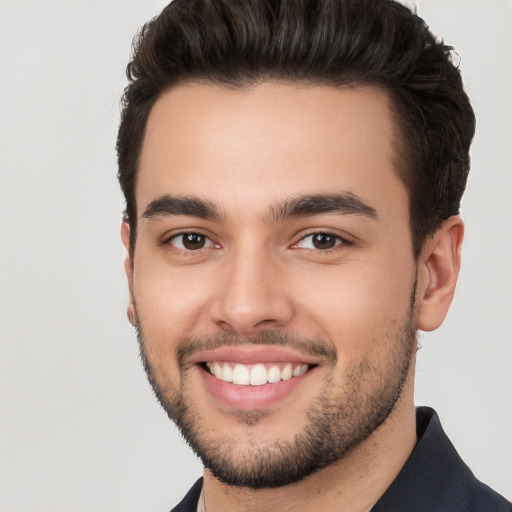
247 151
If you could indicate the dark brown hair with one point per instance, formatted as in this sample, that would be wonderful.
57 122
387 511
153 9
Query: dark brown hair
330 42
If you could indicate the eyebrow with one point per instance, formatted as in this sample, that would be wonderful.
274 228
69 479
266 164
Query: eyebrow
182 205
307 205
346 203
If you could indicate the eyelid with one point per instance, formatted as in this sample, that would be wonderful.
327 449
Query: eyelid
169 237
341 240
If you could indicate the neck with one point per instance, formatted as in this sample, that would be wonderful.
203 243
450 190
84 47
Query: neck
353 483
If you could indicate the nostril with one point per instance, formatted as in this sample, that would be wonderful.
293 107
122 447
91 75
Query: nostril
247 305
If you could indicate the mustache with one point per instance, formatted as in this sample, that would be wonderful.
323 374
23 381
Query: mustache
314 346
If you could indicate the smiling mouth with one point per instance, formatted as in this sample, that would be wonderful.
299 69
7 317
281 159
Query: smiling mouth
255 374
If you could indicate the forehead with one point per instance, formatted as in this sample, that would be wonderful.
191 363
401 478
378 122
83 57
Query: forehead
250 146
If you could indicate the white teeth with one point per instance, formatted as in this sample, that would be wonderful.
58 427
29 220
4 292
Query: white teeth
274 374
287 372
241 375
299 370
227 373
256 375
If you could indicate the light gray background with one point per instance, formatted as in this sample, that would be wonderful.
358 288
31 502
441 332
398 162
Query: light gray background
80 429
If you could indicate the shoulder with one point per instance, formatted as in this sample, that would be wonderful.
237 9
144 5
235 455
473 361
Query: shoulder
436 479
484 499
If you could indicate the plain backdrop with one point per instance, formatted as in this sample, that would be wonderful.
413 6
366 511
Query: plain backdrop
80 429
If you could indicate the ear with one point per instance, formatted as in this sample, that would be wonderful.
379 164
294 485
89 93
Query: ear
128 268
438 270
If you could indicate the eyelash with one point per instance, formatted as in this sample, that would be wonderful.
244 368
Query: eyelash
339 241
167 242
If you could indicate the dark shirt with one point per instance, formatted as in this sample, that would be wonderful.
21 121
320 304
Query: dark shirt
434 479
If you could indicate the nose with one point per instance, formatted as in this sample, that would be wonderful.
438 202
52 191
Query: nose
252 294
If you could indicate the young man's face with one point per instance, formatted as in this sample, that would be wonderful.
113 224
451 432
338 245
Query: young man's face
274 249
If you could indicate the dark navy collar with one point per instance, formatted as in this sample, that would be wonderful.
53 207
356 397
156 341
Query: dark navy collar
190 501
434 479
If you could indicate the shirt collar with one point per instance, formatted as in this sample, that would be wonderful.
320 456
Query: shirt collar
434 474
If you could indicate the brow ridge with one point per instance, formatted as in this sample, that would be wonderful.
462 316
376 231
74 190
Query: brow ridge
346 203
315 204
168 204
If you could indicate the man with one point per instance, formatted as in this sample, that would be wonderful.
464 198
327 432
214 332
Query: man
293 172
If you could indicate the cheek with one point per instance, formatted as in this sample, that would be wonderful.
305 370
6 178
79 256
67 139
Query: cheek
169 303
360 308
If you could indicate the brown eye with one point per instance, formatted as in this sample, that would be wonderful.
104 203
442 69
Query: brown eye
320 241
193 241
190 241
324 241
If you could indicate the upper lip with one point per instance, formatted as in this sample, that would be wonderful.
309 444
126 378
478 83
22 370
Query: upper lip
253 355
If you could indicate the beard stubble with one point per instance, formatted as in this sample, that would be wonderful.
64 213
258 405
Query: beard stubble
341 417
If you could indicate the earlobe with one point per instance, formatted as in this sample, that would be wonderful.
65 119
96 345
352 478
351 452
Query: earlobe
128 268
438 270
130 312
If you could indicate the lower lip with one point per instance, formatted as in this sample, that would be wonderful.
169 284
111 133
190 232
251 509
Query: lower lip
251 397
